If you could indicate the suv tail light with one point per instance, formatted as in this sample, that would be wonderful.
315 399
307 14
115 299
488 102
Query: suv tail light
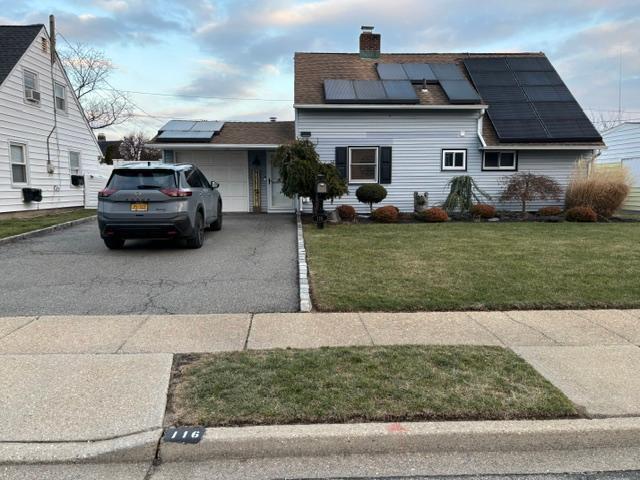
106 192
176 192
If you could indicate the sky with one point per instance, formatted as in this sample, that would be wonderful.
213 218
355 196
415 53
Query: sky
233 60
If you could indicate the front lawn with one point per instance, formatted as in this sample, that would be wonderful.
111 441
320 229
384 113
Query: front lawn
466 266
14 226
360 384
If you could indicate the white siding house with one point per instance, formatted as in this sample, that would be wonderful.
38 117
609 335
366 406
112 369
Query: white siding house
44 137
623 142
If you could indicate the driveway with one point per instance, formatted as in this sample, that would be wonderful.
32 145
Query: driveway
249 266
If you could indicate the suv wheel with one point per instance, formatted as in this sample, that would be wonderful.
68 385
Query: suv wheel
114 243
217 225
197 238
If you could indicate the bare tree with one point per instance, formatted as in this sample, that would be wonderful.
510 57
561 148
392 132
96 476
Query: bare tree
133 148
604 120
89 70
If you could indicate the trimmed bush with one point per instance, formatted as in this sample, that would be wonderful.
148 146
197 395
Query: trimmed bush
581 214
433 215
371 193
387 214
604 190
483 210
346 213
549 211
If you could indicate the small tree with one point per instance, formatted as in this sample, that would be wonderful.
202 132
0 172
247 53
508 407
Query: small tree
526 187
371 193
299 169
463 191
133 148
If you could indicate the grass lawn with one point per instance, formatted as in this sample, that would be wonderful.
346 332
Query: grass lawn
360 384
14 226
466 266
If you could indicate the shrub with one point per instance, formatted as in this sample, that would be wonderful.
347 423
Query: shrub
346 212
549 211
604 189
462 193
525 187
387 214
433 214
483 210
581 214
371 193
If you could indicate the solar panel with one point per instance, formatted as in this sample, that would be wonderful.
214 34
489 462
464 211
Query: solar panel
460 91
502 94
207 126
519 130
391 71
447 71
486 65
494 79
548 93
337 91
418 72
176 135
369 90
538 78
530 64
178 125
576 129
400 90
558 110
507 111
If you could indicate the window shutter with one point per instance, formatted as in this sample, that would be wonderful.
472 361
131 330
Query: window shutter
341 161
385 165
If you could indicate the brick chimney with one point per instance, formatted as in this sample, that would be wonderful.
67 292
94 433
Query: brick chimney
369 43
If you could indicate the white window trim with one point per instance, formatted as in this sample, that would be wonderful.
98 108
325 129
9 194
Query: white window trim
64 97
357 181
79 163
512 168
36 89
454 151
25 155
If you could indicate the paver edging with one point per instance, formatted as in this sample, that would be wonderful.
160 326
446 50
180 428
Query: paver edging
303 269
418 437
44 231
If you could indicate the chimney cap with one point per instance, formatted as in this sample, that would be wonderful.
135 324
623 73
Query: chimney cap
367 28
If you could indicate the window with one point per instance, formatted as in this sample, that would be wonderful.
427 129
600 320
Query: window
127 179
167 156
363 165
31 86
18 158
74 163
454 159
61 96
499 161
193 179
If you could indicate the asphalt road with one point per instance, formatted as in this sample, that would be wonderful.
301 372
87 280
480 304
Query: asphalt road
249 266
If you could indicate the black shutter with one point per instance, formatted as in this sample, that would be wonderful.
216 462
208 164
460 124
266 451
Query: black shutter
385 165
341 161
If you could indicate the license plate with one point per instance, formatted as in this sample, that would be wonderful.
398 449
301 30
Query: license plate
139 207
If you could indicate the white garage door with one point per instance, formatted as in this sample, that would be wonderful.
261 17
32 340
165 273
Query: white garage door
230 169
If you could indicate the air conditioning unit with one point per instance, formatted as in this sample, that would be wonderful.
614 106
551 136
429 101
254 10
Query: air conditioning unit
32 95
77 180
32 194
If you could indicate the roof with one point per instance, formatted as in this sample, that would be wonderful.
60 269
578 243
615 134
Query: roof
251 133
14 41
311 69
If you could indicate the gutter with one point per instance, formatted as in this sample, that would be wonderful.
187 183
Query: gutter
350 106
212 146
515 146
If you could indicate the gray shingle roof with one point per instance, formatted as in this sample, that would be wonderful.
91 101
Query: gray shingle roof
14 41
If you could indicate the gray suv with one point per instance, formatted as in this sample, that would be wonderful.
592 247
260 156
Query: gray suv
158 200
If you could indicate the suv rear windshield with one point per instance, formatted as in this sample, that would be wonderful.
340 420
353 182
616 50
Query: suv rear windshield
142 179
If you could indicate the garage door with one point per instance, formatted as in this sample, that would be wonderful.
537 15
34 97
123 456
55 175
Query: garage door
230 169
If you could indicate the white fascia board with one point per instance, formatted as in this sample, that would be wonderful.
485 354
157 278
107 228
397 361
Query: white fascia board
515 146
360 106
209 146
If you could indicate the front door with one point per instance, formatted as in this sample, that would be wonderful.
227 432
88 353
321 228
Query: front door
277 201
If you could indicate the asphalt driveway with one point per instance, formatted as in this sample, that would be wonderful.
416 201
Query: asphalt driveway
249 266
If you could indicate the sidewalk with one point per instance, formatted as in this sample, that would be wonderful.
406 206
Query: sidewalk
103 380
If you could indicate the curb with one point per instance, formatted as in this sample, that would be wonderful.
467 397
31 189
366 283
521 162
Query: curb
43 231
137 447
420 437
303 269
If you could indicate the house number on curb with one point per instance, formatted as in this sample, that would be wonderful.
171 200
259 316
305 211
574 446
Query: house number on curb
184 434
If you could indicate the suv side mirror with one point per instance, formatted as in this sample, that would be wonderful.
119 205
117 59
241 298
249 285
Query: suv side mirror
214 184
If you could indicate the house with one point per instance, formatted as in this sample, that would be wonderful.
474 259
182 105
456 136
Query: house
623 148
238 155
412 122
47 148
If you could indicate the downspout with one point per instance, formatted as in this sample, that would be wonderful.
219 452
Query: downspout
480 122
52 41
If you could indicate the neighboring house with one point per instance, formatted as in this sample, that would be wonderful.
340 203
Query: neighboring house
235 154
414 121
623 148
46 144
